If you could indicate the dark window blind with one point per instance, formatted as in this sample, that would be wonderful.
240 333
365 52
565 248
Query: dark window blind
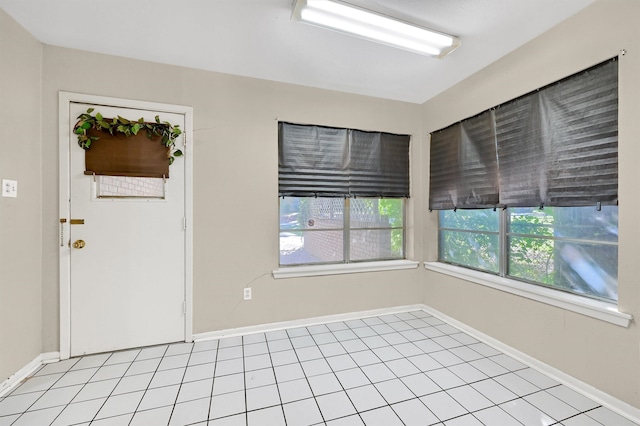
444 174
557 146
585 167
379 165
316 161
523 149
464 169
313 161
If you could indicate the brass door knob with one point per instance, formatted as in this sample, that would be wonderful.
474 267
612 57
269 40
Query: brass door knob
79 244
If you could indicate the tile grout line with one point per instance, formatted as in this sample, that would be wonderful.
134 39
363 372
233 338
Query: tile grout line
175 402
403 357
213 380
149 384
43 393
381 362
68 371
357 366
115 387
244 377
334 373
295 352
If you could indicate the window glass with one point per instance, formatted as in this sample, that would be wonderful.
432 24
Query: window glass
476 220
566 222
376 228
310 247
470 238
571 249
311 230
129 187
373 244
376 213
314 230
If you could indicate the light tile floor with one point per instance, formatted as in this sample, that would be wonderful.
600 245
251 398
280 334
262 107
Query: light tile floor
403 369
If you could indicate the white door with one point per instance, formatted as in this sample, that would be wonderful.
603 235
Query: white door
127 284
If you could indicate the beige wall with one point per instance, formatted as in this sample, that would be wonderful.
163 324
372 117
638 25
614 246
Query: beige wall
235 186
20 218
603 355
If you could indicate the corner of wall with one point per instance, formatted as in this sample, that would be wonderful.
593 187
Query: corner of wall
21 240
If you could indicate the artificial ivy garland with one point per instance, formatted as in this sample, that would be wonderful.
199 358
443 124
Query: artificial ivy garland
166 130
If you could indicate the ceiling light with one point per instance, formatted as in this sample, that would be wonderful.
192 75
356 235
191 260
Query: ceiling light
368 25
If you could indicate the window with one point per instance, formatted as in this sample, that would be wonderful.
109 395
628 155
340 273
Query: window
314 230
529 189
130 187
342 195
470 238
573 249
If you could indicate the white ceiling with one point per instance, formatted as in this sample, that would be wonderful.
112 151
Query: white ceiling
257 38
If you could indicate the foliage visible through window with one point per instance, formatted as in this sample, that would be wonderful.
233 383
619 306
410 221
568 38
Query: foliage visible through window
470 238
573 249
339 230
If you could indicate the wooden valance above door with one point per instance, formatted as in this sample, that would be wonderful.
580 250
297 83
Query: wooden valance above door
121 155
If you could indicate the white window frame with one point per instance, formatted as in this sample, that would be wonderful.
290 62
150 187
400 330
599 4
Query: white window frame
595 308
343 268
349 266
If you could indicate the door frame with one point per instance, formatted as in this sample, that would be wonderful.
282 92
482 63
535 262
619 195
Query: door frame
64 123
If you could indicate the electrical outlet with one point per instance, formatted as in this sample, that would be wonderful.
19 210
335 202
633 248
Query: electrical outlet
247 293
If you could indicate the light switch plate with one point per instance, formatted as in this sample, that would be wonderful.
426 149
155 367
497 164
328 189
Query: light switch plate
9 188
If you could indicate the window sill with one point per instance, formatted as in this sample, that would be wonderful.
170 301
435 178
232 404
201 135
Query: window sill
583 305
343 268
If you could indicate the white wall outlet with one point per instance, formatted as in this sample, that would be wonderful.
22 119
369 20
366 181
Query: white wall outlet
9 188
247 293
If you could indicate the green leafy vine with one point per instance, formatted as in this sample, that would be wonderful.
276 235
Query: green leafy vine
167 131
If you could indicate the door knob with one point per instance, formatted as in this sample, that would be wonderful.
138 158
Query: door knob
79 244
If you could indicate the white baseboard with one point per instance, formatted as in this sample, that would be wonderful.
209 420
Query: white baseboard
24 372
49 357
626 410
305 322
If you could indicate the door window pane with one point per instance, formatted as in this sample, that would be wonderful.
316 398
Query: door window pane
129 187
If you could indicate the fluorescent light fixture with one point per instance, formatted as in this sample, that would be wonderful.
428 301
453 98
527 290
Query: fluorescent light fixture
368 25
